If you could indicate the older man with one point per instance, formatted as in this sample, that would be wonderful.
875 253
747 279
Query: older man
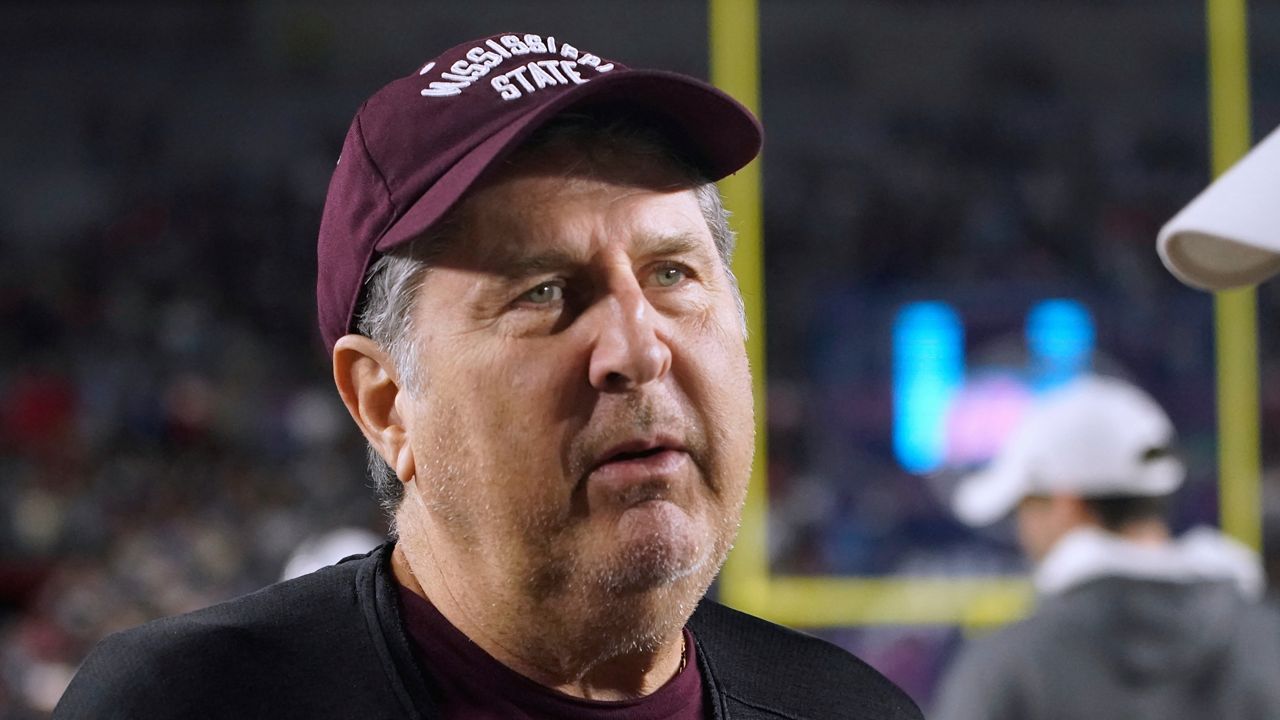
524 284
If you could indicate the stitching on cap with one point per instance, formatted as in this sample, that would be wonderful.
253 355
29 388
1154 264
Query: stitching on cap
372 249
395 210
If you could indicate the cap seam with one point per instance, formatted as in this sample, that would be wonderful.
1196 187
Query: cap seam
354 298
386 186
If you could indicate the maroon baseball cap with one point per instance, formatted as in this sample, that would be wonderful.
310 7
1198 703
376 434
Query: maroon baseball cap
417 145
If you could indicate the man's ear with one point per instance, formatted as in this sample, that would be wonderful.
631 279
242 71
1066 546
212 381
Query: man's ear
369 386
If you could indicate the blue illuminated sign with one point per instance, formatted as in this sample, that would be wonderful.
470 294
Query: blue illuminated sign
943 414
928 368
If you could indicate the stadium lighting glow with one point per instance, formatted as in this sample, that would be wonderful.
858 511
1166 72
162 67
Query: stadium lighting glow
945 414
928 368
1060 338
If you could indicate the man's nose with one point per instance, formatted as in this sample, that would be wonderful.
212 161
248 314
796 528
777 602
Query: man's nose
628 351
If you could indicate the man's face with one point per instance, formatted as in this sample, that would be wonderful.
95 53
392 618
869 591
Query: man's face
583 433
1043 519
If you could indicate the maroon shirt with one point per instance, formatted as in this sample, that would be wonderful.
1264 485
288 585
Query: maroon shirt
472 685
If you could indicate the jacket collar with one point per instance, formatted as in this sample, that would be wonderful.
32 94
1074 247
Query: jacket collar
1201 555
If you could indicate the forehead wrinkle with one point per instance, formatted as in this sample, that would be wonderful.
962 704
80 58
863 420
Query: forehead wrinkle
517 230
673 243
509 238
516 264
512 262
529 243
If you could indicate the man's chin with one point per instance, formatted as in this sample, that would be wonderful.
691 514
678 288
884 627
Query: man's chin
641 590
657 570
668 568
654 556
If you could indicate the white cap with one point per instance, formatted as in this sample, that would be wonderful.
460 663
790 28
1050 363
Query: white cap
1092 437
1229 235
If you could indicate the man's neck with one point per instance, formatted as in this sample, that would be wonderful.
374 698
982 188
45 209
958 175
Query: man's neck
1150 531
580 673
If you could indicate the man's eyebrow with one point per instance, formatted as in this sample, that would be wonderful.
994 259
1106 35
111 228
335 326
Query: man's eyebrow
679 243
515 265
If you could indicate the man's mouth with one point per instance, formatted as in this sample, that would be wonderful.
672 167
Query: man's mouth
639 461
637 454
639 449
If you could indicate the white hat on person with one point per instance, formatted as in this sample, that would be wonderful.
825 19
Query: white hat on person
1093 437
1229 235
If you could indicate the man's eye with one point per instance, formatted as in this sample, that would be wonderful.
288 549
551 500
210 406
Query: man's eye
668 276
544 294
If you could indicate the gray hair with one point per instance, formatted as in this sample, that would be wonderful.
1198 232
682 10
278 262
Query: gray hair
385 310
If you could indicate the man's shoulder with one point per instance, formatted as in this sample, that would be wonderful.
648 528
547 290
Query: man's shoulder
1087 615
784 673
269 646
1005 654
281 609
1001 656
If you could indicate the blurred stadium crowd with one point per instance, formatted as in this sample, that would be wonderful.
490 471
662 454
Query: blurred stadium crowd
168 430
166 434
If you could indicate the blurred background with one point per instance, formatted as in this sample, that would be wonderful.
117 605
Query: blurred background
981 178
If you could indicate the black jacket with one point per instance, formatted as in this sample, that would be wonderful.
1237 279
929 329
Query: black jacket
331 645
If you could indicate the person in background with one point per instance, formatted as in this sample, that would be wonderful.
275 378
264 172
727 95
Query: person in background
1130 622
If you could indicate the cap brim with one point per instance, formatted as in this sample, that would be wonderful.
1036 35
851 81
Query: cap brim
987 496
716 133
1229 235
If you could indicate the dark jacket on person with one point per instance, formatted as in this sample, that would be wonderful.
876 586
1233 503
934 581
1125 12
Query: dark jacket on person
1123 647
331 645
